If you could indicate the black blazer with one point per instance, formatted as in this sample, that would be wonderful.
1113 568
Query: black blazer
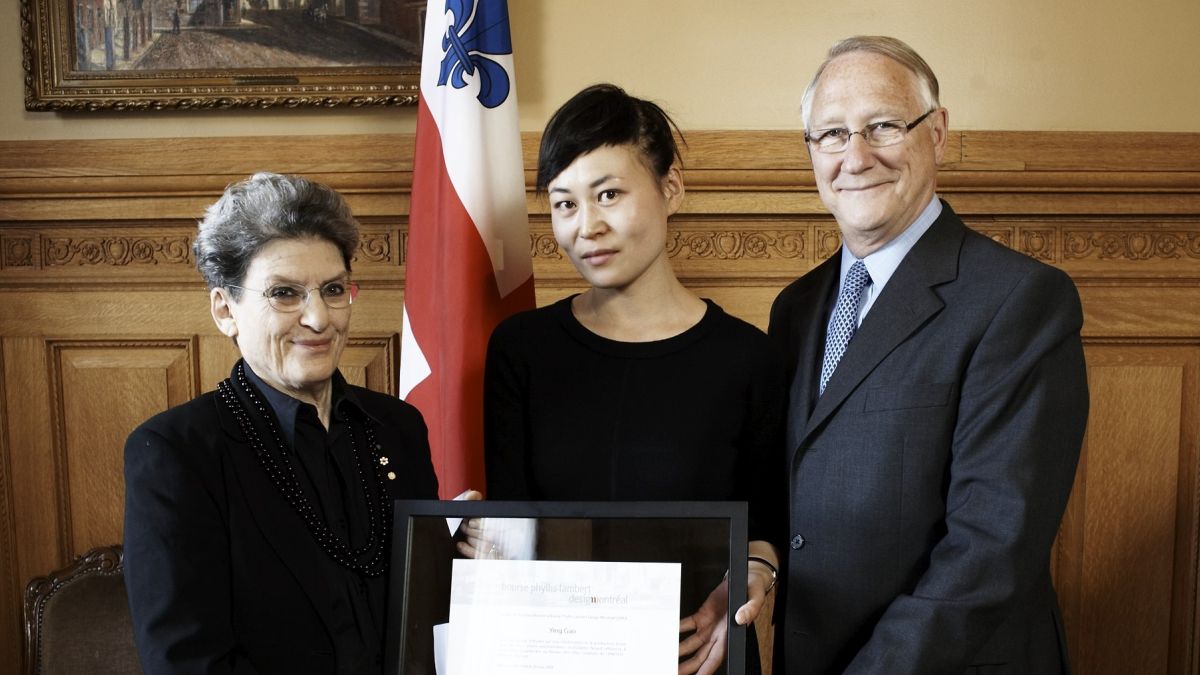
218 566
928 482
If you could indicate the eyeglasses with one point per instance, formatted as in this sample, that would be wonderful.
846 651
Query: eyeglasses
876 134
293 297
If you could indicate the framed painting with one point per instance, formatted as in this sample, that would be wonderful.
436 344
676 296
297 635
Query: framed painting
204 54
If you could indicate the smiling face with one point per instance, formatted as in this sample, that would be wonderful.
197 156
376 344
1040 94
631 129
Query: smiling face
294 352
609 214
874 193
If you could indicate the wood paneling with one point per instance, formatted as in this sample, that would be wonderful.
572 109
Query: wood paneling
104 321
100 389
1125 554
10 598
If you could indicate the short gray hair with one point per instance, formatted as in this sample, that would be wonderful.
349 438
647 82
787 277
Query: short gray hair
890 47
264 208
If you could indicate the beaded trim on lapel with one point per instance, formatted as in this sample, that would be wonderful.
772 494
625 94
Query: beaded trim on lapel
275 460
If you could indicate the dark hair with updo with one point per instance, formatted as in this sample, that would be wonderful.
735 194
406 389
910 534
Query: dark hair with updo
264 208
603 114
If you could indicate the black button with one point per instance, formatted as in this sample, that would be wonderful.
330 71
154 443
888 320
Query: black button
797 542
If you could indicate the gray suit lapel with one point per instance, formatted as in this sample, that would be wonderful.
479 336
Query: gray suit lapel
907 302
808 330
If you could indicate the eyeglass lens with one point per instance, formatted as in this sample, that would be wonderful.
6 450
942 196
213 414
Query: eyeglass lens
291 297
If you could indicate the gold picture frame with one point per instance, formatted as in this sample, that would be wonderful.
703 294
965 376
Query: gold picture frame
84 55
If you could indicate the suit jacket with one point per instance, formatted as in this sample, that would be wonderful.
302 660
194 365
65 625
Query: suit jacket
220 569
928 482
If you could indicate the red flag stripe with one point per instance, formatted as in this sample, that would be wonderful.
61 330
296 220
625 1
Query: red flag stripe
453 304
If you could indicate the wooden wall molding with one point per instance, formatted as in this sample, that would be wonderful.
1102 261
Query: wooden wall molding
1096 204
1165 250
115 251
98 289
729 244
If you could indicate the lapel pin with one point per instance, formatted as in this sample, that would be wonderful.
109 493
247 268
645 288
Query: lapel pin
383 461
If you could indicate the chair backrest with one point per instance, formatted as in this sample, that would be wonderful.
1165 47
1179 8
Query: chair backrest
77 619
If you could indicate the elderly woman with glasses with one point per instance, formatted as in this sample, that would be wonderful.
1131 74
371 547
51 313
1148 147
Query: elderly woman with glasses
258 516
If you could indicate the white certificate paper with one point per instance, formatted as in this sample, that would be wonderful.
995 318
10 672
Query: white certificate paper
554 617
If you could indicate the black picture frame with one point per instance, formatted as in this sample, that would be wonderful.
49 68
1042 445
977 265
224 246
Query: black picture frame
710 534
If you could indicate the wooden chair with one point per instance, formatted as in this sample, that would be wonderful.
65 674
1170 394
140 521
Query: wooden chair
77 619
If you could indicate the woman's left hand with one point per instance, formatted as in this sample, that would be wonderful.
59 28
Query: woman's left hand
704 649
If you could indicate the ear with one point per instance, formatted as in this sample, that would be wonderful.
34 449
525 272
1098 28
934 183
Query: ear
940 128
221 306
672 187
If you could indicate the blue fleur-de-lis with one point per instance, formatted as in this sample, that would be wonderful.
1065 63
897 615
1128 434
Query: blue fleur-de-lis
475 32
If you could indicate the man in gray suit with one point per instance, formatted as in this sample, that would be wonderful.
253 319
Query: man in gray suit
938 404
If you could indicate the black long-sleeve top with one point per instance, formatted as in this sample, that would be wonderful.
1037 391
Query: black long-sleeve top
571 415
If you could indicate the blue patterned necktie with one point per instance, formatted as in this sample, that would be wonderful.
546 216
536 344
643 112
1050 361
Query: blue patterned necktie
845 319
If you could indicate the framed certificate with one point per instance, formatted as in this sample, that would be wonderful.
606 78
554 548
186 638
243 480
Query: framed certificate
559 587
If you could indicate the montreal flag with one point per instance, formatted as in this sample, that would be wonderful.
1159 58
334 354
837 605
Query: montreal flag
468 263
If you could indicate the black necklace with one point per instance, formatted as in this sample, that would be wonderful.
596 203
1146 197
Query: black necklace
275 460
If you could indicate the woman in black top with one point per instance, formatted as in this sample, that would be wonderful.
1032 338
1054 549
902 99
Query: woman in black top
635 389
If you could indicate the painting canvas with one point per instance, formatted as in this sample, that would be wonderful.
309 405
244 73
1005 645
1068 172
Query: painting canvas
138 54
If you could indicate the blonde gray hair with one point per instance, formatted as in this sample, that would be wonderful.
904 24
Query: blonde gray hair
883 45
264 208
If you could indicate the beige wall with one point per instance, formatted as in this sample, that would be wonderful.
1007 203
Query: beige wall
1104 65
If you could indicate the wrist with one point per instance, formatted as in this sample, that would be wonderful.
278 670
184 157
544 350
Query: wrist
766 565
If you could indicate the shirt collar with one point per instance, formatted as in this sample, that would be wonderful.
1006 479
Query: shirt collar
286 408
882 264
